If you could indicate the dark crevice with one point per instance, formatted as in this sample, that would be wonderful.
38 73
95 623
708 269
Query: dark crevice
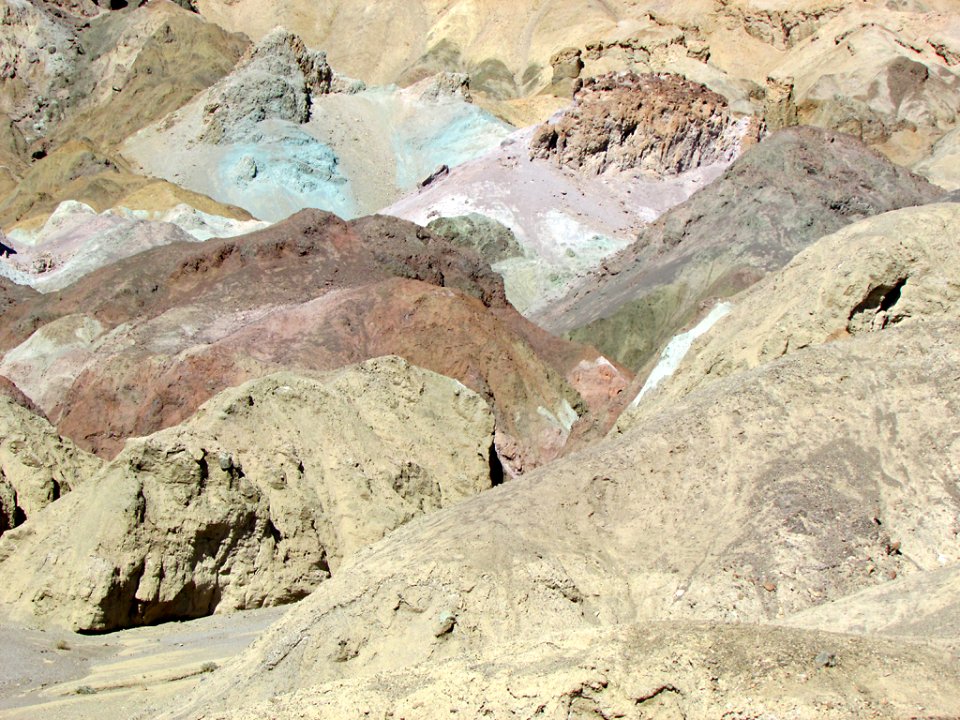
880 299
273 532
496 467
893 296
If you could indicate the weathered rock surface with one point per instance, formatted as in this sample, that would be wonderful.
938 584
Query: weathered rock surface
254 500
896 268
140 65
780 196
37 466
662 124
492 240
943 165
275 80
669 670
39 53
707 510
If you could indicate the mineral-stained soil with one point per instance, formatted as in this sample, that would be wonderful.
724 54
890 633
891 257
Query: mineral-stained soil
166 329
352 414
780 196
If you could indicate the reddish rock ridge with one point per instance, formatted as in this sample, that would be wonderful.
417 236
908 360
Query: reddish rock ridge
658 123
9 389
313 293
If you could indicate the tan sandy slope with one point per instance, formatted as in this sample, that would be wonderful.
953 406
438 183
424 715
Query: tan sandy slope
765 494
896 268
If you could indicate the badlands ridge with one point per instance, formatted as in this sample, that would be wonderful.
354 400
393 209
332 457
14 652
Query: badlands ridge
419 359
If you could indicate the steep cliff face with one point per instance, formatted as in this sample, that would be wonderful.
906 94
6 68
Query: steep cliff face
662 124
37 465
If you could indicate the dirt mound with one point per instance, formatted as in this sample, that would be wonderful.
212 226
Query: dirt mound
780 196
662 124
253 501
708 510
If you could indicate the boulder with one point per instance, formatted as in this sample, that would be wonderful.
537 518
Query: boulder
492 240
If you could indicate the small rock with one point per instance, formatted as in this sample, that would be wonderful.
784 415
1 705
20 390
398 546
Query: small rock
445 624
826 659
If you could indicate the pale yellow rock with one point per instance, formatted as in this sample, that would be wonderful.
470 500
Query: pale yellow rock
37 466
943 165
254 500
761 495
895 268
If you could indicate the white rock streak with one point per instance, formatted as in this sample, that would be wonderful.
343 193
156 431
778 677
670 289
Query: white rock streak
677 349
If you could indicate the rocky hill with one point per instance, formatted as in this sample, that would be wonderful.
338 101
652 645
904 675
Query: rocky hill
255 499
704 511
138 345
781 195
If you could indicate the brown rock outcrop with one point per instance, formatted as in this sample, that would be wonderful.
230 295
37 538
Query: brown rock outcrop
254 500
663 124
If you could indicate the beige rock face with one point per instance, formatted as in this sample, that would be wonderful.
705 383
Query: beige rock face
895 268
762 495
37 466
943 165
254 500
656 670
